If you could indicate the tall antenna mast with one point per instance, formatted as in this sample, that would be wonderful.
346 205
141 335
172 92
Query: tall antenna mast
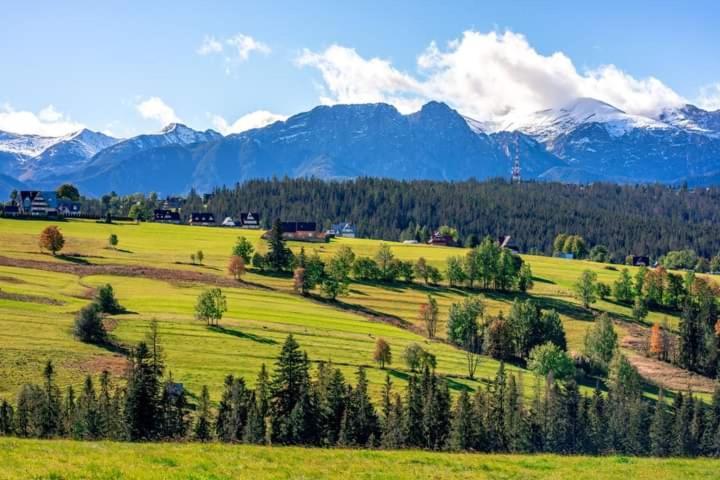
516 165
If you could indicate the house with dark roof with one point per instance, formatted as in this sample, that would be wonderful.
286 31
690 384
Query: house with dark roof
37 203
506 242
345 230
444 240
250 219
640 261
10 211
162 215
68 208
202 218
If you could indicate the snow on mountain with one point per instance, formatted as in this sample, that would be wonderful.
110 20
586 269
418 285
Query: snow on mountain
692 118
25 146
184 135
547 125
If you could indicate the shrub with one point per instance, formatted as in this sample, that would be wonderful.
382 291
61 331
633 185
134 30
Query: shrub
106 301
548 358
88 325
236 267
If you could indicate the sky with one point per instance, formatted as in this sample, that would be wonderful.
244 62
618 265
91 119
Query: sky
130 67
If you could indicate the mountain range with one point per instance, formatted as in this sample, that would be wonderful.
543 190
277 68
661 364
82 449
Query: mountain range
584 141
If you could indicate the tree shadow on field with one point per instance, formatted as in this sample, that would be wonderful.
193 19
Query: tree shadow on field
73 259
562 307
243 335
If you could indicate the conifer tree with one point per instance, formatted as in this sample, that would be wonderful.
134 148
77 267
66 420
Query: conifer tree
141 403
50 416
462 432
203 418
290 384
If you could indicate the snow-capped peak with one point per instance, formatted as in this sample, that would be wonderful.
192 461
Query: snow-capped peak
547 125
182 134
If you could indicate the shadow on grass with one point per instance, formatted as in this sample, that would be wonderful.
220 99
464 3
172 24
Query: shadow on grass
199 265
73 259
361 309
243 335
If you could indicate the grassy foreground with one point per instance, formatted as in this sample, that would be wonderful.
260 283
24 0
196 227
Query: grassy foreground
41 459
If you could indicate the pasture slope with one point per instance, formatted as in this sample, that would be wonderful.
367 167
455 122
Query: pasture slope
68 460
151 273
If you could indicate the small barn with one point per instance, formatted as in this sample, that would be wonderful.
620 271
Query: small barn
202 218
640 261
345 230
162 215
250 219
440 239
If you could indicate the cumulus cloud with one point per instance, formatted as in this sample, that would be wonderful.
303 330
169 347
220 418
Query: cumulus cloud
154 108
710 97
209 46
48 122
257 119
235 49
244 45
485 75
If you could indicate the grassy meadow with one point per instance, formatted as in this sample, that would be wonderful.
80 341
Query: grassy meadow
38 306
68 460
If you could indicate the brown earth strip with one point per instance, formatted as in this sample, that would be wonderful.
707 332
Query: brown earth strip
155 273
658 372
22 297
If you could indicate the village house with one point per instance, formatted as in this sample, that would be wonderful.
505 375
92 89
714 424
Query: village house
202 218
440 239
345 230
10 211
161 215
301 232
250 220
505 241
640 261
37 203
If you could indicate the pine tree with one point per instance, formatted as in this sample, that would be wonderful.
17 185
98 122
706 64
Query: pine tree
50 413
682 442
661 429
255 425
6 418
462 432
141 403
88 424
279 257
203 418
290 384
413 421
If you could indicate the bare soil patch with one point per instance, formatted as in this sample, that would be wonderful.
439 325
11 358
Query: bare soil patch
658 372
115 364
22 297
155 273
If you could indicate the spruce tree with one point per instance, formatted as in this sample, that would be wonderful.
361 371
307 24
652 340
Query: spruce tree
290 384
661 428
462 432
203 419
141 402
279 257
50 413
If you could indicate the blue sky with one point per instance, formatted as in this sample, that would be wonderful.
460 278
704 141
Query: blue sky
129 67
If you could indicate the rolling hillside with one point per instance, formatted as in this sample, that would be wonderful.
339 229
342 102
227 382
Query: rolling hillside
40 295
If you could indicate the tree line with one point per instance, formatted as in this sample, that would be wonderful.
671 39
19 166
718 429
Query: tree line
294 405
646 220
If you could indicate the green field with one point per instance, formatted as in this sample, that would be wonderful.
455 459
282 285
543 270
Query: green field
67 460
261 312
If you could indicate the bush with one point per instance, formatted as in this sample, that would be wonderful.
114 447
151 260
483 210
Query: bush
106 301
88 325
548 358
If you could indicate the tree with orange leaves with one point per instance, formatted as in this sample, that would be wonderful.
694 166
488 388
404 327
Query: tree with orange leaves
51 239
236 267
656 344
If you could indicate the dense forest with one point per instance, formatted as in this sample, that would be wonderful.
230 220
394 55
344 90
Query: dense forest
646 220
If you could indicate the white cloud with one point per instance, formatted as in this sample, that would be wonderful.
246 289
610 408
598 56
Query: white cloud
709 98
244 45
257 119
209 46
154 108
235 49
47 122
485 75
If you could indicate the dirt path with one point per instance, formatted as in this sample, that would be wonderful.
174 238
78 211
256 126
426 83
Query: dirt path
658 372
155 273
